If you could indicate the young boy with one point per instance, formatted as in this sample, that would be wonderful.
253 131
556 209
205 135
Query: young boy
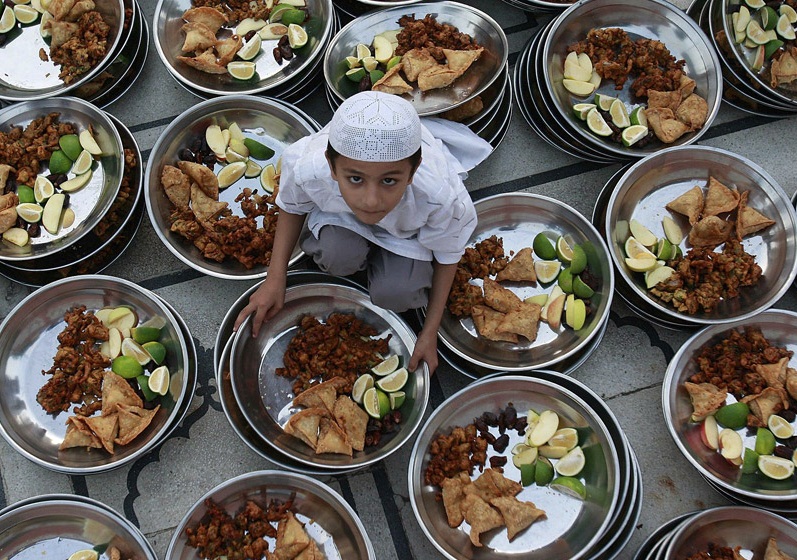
380 194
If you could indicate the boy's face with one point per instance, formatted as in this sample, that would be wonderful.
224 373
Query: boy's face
371 189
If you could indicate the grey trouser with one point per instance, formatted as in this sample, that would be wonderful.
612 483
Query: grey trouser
394 282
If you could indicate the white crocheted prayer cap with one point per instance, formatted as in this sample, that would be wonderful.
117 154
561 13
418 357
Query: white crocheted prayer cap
375 126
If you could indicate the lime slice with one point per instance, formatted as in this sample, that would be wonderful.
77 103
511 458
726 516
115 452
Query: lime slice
30 212
388 365
580 288
127 367
764 442
251 48
733 416
635 250
771 47
362 51
565 280
376 403
769 17
88 143
278 11
394 381
258 150
579 261
369 63
230 173
37 4
8 20
740 20
241 70
774 467
756 33
581 110
133 349
26 14
755 4
778 425
88 554
543 247
156 351
619 114
352 61
519 448
27 194
293 16
376 75
361 385
297 36
564 252
59 162
604 102
527 473
638 116
597 124
143 384
159 380
42 189
789 12
233 156
665 250
572 463
634 134
749 461
356 74
268 178
570 486
392 62
396 399
525 457
82 163
253 169
543 473
16 236
784 28
565 437
70 144
547 271
641 265
143 334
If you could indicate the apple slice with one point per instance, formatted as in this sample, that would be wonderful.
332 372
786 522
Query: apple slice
556 291
104 314
554 314
112 347
731 446
123 318
709 432
545 428
642 233
573 69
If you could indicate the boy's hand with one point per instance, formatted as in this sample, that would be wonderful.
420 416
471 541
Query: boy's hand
426 350
265 302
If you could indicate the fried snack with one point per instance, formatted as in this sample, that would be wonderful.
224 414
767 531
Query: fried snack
665 126
763 405
115 390
204 62
312 552
79 435
453 494
517 515
774 375
176 185
304 425
436 77
226 49
480 516
499 298
460 113
664 99
492 484
132 421
320 395
204 177
783 69
520 268
523 321
710 232
693 112
749 220
460 61
719 198
332 439
706 399
487 321
416 61
392 82
204 207
773 552
352 419
198 37
690 204
291 538
210 17
106 428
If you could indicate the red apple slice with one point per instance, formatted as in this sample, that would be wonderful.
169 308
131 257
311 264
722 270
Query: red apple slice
709 432
731 446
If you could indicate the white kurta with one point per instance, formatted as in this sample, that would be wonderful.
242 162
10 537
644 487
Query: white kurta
434 219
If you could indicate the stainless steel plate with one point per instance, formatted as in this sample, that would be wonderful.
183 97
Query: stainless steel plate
91 202
654 539
779 327
28 341
169 40
54 527
329 520
517 218
652 19
572 526
272 123
25 77
650 184
486 31
265 399
732 526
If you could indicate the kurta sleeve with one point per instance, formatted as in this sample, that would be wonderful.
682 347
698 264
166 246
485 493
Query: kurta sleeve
291 197
449 228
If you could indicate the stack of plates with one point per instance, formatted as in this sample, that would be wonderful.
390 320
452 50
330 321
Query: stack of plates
548 107
488 77
292 81
517 218
641 193
28 342
745 88
350 9
753 489
597 527
541 6
26 77
744 527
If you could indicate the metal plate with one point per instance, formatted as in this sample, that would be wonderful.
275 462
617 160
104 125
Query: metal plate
517 218
169 40
654 539
572 526
779 327
265 399
89 203
328 519
650 184
28 343
272 123
733 526
484 29
54 527
25 77
652 19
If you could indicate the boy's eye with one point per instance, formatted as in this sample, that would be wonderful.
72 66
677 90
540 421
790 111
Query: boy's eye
389 181
356 179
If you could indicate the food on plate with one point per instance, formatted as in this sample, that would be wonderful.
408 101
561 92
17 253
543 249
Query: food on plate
672 108
245 534
112 553
773 552
193 189
718 552
216 32
497 312
84 372
745 382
